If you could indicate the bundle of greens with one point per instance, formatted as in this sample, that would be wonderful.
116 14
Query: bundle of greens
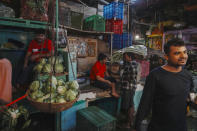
11 117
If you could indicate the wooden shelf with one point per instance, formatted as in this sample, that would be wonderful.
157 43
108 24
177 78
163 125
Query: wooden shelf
16 22
84 31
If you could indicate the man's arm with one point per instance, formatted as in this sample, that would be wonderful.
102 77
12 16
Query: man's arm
139 71
50 49
103 80
106 73
26 59
146 101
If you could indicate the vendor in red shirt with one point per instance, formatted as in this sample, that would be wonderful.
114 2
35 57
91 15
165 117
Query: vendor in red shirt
40 47
100 78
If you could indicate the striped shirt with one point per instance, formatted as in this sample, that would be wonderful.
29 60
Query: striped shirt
129 74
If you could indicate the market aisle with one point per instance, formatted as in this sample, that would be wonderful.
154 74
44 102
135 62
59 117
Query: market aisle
192 126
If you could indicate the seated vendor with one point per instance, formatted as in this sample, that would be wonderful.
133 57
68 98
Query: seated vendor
100 78
40 47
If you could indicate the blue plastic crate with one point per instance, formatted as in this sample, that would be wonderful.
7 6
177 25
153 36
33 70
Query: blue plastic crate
117 41
126 39
113 10
121 41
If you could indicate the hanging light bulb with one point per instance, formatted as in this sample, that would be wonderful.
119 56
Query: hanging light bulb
137 37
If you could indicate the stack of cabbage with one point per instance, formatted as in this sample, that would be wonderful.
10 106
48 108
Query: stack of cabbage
53 90
11 119
45 65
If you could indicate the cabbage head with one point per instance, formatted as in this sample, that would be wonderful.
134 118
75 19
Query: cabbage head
60 82
61 100
52 60
40 99
38 68
39 93
70 95
59 68
59 60
43 61
54 80
50 89
61 90
73 85
34 85
33 95
53 100
47 68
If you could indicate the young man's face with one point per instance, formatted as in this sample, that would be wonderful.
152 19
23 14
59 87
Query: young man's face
127 57
104 60
40 38
177 56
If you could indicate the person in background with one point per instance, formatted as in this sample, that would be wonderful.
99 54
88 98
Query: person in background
166 91
5 82
129 78
100 78
40 47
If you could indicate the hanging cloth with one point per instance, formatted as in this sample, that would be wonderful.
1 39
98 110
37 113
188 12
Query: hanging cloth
5 80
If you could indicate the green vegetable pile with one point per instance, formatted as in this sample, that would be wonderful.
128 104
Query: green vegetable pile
45 65
53 90
11 117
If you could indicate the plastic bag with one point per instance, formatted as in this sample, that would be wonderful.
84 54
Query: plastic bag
6 11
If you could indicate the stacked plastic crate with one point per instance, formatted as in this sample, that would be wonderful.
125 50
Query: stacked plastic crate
126 39
113 14
121 40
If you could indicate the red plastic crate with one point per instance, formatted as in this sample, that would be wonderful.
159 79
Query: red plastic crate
115 26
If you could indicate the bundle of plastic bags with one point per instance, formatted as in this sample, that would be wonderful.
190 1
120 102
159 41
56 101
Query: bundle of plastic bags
136 49
6 11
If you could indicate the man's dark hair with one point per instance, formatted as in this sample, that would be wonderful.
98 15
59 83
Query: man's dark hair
132 55
173 42
101 56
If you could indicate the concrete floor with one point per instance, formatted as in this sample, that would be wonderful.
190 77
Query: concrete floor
46 122
191 122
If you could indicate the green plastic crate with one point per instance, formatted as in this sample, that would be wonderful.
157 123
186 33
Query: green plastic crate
76 20
94 119
111 105
95 23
